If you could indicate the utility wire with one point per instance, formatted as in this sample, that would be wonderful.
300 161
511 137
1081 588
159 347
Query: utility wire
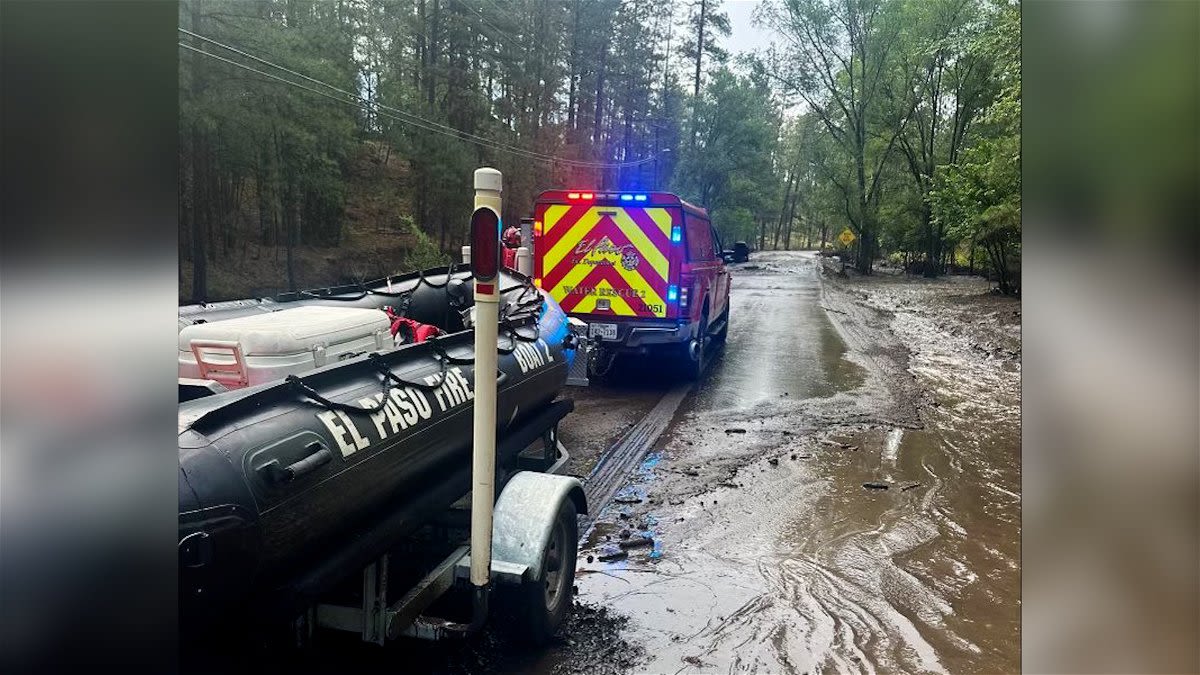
417 119
342 100
500 36
384 110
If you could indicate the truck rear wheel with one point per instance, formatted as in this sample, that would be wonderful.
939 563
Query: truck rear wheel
543 603
693 352
723 333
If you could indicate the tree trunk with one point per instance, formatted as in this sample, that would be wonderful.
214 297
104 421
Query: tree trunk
699 59
932 245
289 223
700 48
573 69
596 119
791 220
787 195
199 255
434 29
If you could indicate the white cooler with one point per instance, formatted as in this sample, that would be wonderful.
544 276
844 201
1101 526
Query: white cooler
260 348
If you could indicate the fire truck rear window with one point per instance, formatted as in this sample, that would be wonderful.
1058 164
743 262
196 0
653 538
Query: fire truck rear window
699 242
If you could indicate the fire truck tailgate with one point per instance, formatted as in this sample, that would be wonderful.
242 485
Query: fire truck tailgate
606 259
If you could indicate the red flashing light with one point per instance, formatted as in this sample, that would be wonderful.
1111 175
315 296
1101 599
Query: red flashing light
572 195
587 195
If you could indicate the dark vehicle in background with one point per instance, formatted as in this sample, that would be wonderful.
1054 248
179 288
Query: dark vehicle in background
740 252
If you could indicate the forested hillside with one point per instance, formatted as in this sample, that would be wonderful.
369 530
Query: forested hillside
325 141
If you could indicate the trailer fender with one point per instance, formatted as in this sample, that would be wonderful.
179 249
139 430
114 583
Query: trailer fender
524 518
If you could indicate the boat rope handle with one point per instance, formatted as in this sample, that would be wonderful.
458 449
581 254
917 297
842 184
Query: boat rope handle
364 291
524 310
302 387
390 381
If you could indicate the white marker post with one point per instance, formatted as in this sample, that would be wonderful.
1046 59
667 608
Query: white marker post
485 267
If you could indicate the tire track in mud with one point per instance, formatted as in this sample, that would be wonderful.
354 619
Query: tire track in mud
618 462
798 569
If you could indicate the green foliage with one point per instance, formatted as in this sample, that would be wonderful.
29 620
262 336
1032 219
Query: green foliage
423 252
449 86
978 199
902 123
910 134
730 168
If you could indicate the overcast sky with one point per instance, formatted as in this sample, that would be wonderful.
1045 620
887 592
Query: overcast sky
745 36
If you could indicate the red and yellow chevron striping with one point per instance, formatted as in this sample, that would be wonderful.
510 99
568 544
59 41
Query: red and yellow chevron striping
590 252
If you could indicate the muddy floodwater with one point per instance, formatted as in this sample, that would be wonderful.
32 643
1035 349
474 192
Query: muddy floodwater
843 494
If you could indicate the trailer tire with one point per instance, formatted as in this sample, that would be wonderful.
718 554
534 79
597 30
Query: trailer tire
544 603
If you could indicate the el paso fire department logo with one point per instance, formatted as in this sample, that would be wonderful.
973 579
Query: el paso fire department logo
598 252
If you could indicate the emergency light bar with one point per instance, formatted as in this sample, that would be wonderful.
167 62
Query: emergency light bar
575 196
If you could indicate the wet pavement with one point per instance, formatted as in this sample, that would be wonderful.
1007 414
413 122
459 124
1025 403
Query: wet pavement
841 495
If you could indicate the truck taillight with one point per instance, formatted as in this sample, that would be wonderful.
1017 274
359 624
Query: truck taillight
676 234
683 297
537 228
672 293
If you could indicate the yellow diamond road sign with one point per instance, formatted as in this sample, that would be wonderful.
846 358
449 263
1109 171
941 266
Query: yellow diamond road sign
846 237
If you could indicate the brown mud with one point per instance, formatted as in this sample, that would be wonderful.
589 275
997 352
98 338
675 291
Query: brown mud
604 411
841 494
769 552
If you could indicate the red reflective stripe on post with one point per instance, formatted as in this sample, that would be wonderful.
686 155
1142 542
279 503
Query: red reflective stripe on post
485 288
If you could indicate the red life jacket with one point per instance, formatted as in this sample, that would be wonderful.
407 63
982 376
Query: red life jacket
511 240
413 331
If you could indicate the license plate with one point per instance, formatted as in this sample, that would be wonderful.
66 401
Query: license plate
608 331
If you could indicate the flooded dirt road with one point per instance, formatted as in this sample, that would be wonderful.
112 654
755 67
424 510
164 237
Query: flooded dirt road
841 495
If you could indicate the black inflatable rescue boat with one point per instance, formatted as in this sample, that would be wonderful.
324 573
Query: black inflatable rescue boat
288 486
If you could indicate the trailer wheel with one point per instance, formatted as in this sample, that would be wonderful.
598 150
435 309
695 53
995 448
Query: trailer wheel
544 603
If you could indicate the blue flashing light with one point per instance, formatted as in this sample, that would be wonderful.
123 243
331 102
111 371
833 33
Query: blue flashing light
626 198
640 198
676 234
672 293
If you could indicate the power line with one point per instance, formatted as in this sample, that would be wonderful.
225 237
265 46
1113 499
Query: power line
399 115
413 119
500 36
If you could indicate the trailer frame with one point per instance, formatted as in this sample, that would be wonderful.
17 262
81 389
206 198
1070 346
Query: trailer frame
380 618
